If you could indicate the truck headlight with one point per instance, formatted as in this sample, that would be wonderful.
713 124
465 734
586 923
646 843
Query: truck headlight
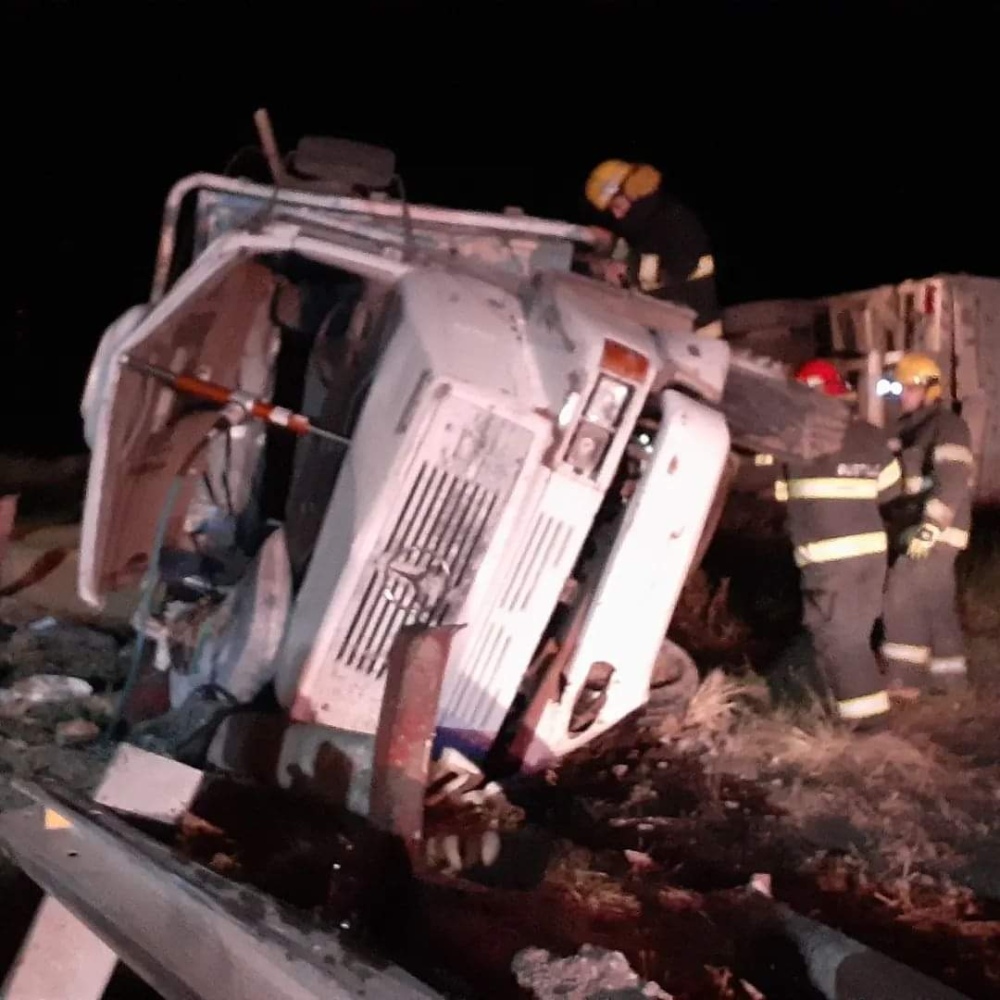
587 448
607 401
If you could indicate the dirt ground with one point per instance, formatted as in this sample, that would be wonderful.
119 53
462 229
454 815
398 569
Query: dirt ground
646 841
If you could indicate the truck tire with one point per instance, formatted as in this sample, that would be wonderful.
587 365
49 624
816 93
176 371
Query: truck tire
674 682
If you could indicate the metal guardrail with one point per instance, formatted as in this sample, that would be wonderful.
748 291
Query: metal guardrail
189 933
195 935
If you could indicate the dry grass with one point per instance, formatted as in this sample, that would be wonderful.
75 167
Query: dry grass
823 749
905 808
715 704
910 803
570 871
906 804
720 702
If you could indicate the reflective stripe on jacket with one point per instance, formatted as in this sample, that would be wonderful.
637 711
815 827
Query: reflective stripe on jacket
935 451
834 501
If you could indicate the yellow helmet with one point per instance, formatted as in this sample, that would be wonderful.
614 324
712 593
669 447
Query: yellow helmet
921 370
634 180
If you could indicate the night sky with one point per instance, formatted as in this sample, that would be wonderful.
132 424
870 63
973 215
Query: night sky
826 146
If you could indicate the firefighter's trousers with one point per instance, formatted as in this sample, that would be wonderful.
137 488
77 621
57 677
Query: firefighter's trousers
841 603
923 646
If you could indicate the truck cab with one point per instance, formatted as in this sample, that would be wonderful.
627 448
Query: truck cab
512 448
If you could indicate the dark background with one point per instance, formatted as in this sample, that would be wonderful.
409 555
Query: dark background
826 146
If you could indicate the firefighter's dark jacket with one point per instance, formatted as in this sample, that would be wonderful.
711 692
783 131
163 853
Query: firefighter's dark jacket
935 451
834 501
670 255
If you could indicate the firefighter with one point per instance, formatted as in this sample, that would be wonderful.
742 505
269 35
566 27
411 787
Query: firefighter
669 254
840 545
923 646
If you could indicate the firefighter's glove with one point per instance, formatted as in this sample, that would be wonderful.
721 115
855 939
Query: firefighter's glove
922 540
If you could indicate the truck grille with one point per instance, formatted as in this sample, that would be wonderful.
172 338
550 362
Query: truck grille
427 554
424 563
476 693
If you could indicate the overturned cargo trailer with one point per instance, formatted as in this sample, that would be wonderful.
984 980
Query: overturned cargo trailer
953 317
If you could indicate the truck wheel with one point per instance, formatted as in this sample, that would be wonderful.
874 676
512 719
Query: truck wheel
673 684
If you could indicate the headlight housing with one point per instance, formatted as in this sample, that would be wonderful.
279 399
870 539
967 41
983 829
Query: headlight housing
587 448
621 370
607 401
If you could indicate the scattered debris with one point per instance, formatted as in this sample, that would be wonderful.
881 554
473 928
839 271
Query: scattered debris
76 731
592 974
464 816
148 786
43 624
57 690
49 647
44 689
639 861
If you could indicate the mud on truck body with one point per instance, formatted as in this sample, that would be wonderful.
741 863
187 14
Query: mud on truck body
527 453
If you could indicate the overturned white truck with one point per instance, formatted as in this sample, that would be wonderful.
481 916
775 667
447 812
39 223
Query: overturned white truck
509 446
